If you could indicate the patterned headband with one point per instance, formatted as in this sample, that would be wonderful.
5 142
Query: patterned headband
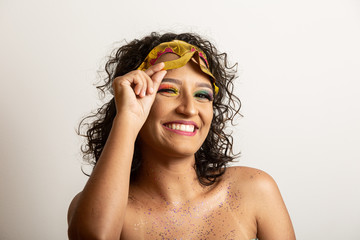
185 51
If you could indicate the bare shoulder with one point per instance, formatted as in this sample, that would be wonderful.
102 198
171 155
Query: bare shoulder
273 220
72 206
254 184
250 177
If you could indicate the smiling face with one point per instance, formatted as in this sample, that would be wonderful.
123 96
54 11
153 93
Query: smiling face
181 115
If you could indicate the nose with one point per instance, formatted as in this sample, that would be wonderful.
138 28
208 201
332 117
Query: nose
187 105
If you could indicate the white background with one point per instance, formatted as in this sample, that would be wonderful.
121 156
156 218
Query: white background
299 82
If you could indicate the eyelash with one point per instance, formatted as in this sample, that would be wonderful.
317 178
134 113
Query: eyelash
199 94
204 94
168 90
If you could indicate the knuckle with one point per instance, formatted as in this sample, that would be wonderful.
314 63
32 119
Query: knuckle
138 72
140 83
117 81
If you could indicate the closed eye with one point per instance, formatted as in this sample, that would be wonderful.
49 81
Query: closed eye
167 90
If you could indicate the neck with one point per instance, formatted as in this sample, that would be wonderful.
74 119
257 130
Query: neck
170 178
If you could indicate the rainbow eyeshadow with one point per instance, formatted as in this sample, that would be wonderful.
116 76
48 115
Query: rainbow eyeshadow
204 94
168 89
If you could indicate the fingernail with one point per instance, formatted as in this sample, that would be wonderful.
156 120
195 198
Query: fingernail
151 90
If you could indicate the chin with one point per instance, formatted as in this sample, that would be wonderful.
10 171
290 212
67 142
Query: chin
180 149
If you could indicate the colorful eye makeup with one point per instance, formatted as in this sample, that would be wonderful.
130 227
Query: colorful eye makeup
171 90
204 94
168 89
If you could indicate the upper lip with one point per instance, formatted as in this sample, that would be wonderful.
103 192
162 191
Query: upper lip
183 122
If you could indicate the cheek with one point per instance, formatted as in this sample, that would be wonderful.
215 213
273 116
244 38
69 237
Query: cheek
146 133
158 112
157 109
208 114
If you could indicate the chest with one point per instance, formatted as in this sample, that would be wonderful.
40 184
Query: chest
203 220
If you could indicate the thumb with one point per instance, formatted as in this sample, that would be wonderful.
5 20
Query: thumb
154 69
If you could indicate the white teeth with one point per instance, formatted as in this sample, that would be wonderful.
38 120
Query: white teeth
190 128
181 127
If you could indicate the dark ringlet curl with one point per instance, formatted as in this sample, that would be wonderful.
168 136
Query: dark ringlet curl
216 151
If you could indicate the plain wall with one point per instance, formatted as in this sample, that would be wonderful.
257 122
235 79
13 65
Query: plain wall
299 82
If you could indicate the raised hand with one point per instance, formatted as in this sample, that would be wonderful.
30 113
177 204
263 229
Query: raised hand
135 93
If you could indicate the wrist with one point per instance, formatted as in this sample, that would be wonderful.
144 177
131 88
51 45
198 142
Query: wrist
127 126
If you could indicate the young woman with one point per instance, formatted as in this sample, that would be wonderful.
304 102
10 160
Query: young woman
161 152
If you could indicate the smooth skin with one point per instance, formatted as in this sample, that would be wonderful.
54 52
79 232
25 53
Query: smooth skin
166 200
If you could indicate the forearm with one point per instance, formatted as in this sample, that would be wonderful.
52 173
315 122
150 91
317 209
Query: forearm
101 207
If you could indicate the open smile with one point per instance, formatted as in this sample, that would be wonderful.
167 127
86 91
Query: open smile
183 128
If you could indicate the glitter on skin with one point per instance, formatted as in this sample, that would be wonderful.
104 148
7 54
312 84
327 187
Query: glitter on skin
219 214
220 211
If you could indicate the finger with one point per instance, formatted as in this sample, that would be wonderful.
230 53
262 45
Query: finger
157 78
154 69
143 89
144 86
138 82
150 85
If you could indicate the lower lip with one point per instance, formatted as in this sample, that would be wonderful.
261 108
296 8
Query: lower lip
181 132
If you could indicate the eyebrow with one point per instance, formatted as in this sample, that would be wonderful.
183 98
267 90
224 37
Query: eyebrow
176 81
172 80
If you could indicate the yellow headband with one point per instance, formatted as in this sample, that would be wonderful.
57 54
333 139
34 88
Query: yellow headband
185 51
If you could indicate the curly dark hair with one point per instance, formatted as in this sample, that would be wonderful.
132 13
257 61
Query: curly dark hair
216 151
